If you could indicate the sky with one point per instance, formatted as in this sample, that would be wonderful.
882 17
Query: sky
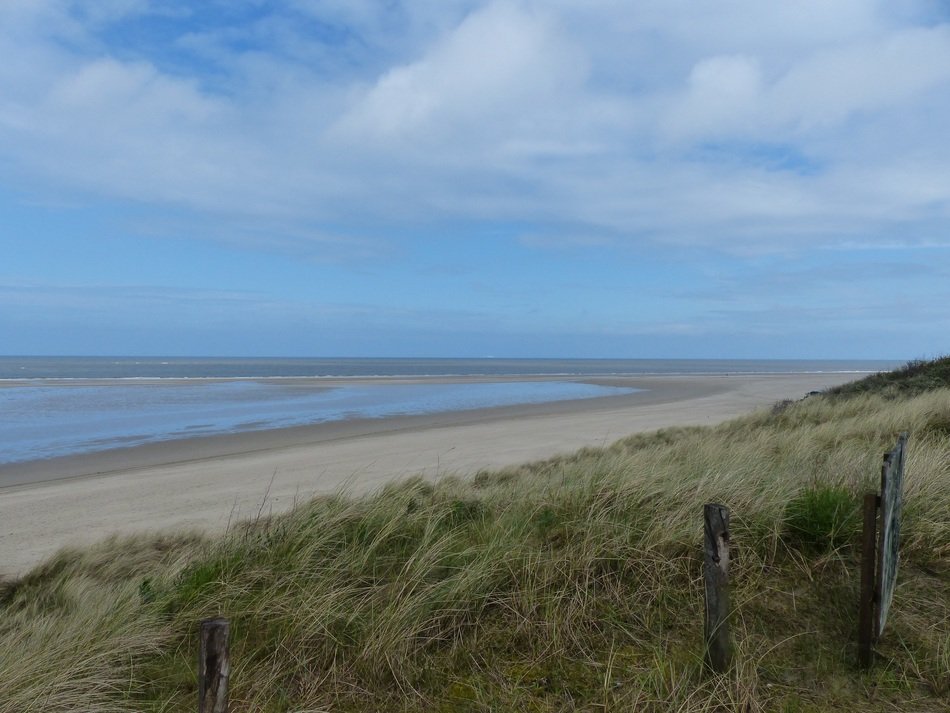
508 178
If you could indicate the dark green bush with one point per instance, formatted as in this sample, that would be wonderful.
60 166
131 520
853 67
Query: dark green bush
822 518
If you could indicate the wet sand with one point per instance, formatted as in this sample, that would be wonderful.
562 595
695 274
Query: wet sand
208 482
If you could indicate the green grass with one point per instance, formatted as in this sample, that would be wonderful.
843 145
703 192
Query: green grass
822 518
915 377
568 584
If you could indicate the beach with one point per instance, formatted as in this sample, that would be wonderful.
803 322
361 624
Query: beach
208 483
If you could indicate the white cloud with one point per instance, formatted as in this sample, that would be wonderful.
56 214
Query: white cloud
591 119
723 92
496 64
832 85
726 96
107 90
127 130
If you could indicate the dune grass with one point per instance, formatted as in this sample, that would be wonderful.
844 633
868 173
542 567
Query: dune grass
915 377
567 584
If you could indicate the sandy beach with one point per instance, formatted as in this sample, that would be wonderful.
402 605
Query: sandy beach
207 483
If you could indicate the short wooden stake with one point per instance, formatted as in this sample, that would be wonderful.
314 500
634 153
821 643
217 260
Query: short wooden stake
866 632
214 665
716 578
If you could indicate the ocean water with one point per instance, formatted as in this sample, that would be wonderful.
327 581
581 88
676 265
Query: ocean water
56 406
39 419
204 367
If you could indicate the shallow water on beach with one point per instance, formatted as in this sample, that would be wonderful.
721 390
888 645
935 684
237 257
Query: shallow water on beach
40 420
98 403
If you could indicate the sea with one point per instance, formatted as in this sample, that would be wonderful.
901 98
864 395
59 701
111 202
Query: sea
60 406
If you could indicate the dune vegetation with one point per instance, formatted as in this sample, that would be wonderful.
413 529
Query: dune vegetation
568 584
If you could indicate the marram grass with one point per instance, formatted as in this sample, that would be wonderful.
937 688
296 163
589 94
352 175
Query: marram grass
568 584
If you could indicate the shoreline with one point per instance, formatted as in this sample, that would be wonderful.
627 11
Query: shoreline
649 389
175 411
204 483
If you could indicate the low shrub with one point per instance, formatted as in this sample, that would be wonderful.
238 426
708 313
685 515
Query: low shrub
822 518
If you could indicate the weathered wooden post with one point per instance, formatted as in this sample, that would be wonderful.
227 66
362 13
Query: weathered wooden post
880 551
214 666
716 578
889 531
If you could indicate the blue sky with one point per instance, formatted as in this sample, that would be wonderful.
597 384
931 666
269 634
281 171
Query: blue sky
557 178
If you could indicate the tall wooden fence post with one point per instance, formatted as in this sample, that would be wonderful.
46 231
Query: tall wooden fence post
214 666
716 578
880 551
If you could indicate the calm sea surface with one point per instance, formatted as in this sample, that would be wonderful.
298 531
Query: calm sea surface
176 367
55 406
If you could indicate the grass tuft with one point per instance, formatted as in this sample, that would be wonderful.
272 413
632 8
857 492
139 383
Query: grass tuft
822 518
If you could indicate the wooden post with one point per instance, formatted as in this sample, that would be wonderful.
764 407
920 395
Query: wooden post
888 537
214 665
866 633
716 577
